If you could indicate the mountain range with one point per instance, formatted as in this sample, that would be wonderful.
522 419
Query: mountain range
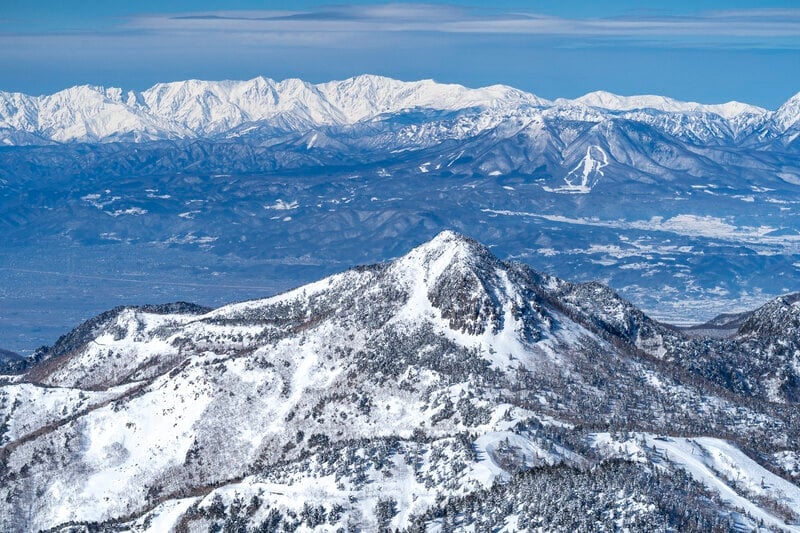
444 390
200 109
209 191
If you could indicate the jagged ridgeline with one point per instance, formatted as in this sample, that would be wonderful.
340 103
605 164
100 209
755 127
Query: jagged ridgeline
445 390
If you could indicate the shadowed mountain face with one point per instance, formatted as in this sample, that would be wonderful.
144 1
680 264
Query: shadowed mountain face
215 191
446 388
6 355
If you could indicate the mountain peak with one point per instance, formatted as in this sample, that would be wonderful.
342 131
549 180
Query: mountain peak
446 248
449 238
461 279
369 79
788 115
777 319
615 102
793 101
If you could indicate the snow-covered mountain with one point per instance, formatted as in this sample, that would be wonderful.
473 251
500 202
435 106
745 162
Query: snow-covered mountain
444 390
260 124
495 130
196 109
200 109
614 102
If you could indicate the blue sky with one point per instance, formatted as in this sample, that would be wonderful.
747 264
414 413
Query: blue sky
709 51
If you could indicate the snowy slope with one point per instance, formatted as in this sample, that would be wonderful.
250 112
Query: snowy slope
368 399
736 477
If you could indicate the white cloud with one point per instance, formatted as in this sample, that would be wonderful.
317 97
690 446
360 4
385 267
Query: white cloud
761 24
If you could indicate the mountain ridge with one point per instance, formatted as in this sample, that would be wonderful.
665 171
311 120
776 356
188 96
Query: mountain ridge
202 109
458 280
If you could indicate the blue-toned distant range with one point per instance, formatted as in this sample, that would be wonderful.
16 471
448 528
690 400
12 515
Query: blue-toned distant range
709 51
217 191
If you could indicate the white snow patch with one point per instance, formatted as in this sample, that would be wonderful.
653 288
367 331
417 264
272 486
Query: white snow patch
282 205
585 175
684 224
311 141
136 211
